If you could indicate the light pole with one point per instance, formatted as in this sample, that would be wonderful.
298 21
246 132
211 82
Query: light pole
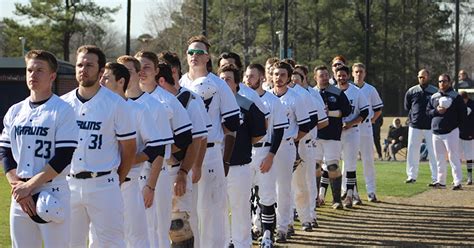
280 38
23 42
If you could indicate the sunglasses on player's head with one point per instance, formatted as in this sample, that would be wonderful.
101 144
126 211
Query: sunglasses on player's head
196 52
337 64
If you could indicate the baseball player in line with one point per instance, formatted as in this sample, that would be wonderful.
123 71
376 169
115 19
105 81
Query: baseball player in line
350 136
98 166
447 110
328 147
182 204
147 180
303 181
224 113
365 128
38 142
466 134
181 126
416 100
239 179
299 126
150 145
263 154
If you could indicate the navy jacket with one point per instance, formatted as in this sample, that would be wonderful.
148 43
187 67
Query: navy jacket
466 129
452 118
335 99
416 100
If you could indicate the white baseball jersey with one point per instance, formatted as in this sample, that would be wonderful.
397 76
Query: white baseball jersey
103 120
249 93
357 101
374 101
222 105
296 111
277 117
180 121
197 113
34 133
315 107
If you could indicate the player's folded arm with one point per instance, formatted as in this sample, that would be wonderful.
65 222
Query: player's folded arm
154 151
276 139
62 158
8 161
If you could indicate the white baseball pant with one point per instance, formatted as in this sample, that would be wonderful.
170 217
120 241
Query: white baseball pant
211 205
350 140
467 149
163 198
304 182
27 233
283 163
448 143
367 155
328 150
239 185
193 216
150 213
97 202
415 137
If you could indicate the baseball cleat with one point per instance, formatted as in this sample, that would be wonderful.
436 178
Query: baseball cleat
255 233
307 227
469 182
439 186
457 187
372 197
266 243
291 231
314 223
347 203
280 237
356 200
410 180
337 205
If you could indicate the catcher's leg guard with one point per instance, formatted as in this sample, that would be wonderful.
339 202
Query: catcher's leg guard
180 232
334 170
336 188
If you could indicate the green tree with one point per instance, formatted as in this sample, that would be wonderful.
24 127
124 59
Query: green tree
54 22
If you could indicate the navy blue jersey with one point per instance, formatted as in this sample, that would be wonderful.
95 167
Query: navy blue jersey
452 118
335 100
466 129
416 100
253 125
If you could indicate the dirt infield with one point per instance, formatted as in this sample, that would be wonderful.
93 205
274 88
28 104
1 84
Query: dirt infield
433 218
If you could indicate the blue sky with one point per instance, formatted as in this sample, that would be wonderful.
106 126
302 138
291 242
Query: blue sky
139 10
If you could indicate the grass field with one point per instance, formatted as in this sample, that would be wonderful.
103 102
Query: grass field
390 182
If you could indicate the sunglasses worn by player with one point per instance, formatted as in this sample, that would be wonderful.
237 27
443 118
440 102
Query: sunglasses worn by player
192 52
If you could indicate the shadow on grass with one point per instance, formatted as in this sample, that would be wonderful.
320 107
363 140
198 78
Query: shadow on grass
390 224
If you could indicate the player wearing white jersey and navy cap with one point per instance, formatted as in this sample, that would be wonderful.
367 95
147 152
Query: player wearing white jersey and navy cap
181 126
104 156
37 142
448 111
416 100
299 126
365 128
151 141
239 179
224 113
328 147
350 136
263 154
466 134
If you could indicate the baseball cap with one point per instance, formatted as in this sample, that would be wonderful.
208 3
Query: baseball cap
48 208
204 88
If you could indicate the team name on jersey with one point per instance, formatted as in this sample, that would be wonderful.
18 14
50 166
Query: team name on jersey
89 125
27 130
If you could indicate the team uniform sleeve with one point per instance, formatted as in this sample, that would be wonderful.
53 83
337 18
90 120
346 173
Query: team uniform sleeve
375 100
196 114
229 108
161 123
280 119
67 131
151 136
5 140
257 125
124 128
430 108
363 106
407 101
180 122
344 105
318 101
301 111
